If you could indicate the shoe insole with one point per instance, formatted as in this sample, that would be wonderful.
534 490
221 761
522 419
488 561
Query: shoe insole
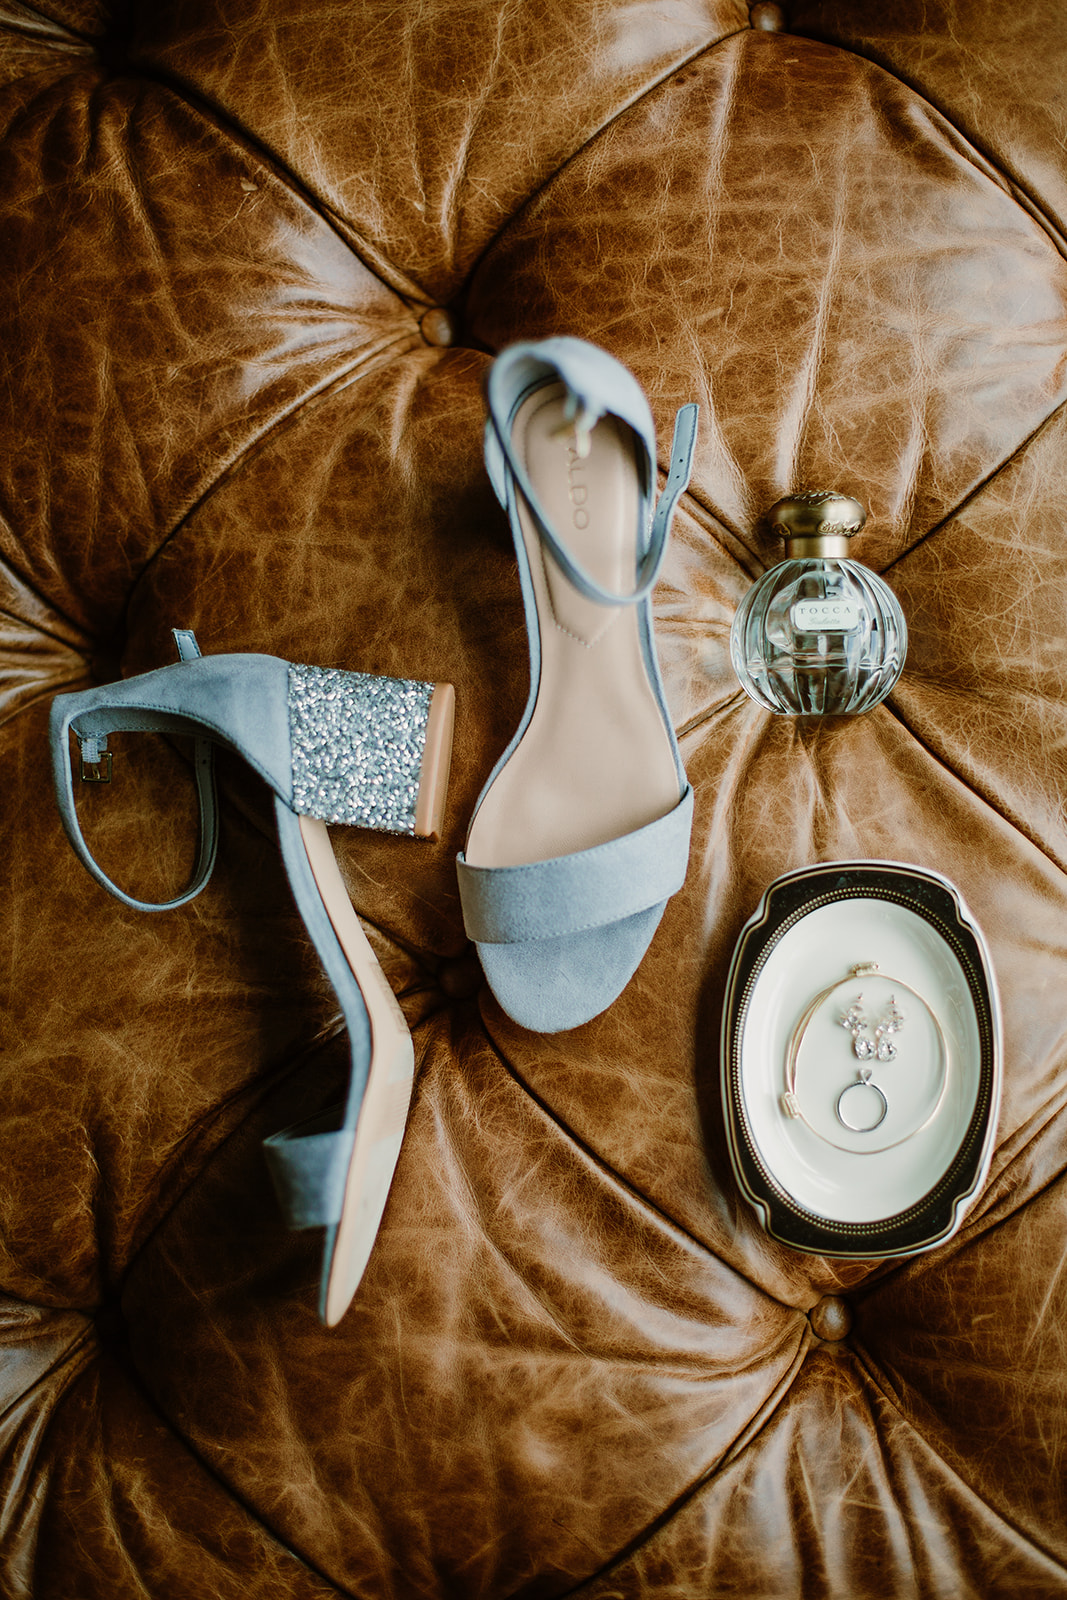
595 761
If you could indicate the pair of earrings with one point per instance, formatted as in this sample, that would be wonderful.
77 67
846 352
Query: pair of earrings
861 1106
881 1047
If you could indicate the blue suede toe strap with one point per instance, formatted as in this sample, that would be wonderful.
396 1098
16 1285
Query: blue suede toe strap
590 889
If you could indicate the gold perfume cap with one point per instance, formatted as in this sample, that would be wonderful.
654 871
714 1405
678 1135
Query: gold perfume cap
817 522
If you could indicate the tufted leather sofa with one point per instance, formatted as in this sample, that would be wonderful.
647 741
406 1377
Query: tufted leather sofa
255 256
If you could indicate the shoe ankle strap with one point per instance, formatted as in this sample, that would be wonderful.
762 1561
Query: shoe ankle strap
93 746
597 384
679 472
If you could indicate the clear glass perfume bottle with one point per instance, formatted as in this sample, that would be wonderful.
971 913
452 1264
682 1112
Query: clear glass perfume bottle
819 634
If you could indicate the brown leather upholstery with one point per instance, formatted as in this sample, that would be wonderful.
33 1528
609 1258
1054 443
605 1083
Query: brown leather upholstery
256 255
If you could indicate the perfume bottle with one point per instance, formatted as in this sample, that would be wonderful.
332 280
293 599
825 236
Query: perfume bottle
819 634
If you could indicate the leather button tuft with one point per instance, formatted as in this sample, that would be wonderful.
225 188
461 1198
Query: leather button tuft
831 1318
766 17
439 327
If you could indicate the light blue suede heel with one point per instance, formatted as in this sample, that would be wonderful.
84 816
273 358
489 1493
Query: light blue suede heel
333 746
581 833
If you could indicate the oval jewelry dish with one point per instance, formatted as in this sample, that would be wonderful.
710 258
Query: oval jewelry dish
861 1059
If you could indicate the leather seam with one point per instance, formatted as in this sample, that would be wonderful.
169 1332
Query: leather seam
889 1396
335 383
741 1443
58 32
589 139
980 157
408 292
980 487
981 795
680 1234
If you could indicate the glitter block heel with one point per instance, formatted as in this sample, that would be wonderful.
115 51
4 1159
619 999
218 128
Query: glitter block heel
333 746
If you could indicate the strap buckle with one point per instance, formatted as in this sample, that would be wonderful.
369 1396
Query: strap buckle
96 760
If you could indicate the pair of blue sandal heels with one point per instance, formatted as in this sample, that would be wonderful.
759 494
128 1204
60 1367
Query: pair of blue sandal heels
581 833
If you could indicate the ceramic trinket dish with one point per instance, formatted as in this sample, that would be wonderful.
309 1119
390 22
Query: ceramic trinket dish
861 1059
